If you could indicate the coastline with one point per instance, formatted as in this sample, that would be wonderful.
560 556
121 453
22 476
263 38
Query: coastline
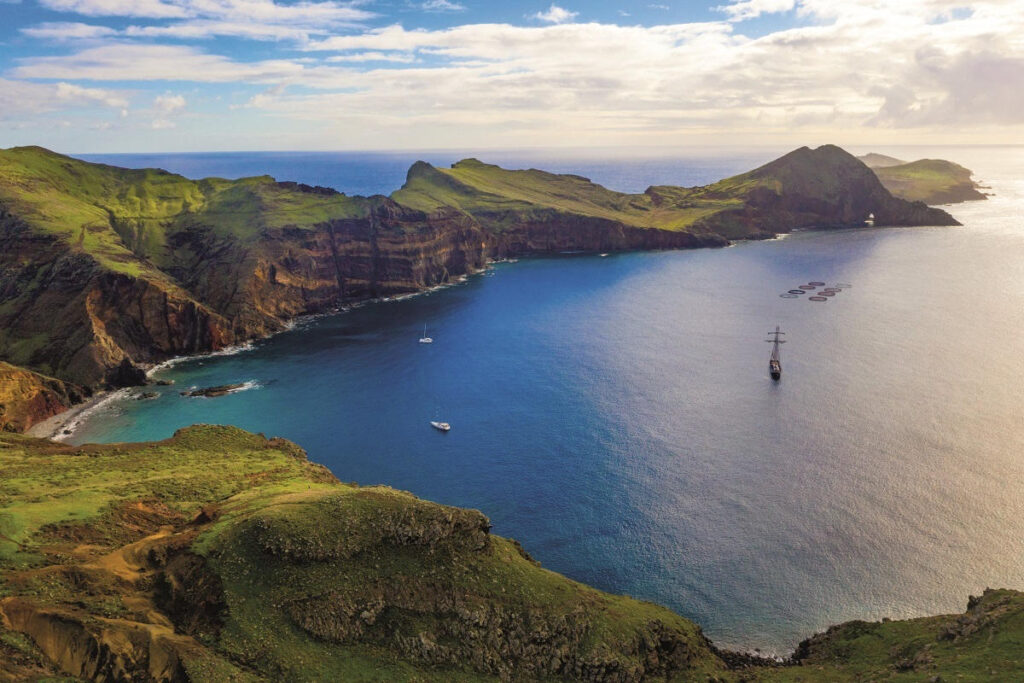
63 425
54 427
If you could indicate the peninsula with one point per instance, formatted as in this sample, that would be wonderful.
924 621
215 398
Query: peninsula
106 270
932 181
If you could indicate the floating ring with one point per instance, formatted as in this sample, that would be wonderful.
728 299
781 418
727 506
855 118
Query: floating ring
827 293
817 284
789 296
797 291
817 298
807 287
829 289
842 285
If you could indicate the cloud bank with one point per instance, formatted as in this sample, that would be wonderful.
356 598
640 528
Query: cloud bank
870 69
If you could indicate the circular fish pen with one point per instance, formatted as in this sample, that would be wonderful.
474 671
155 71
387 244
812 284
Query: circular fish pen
826 293
807 287
796 291
817 298
817 284
789 296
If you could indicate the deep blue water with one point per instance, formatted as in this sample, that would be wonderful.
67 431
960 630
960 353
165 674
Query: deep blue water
615 414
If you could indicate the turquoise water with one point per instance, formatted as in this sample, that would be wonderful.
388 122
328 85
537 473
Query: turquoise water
615 415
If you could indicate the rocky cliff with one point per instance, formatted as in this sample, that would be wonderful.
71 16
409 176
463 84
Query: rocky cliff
104 270
27 398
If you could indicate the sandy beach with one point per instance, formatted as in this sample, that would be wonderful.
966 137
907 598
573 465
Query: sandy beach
61 426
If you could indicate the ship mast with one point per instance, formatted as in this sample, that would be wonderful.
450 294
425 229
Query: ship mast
776 341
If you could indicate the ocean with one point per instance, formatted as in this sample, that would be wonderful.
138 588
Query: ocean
615 414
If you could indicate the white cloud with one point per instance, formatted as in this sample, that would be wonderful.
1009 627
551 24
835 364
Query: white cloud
442 6
64 31
200 29
24 99
396 57
555 15
162 124
252 19
76 94
156 9
169 104
856 67
131 62
739 10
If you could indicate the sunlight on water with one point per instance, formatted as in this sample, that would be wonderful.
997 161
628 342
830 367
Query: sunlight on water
615 415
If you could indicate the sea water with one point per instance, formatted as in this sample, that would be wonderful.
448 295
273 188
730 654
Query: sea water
616 415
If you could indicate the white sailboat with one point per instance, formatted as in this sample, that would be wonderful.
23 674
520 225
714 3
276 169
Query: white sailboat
425 339
440 426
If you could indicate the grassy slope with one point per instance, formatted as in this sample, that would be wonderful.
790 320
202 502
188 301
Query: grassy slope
70 506
123 216
876 160
287 533
481 189
929 180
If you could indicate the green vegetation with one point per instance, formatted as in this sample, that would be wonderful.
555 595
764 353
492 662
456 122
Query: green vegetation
123 217
231 557
499 197
875 160
309 579
986 643
932 181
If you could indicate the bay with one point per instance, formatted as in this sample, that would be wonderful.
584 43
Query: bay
616 416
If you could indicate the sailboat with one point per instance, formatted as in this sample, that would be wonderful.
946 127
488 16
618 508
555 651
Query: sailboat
440 426
425 339
774 362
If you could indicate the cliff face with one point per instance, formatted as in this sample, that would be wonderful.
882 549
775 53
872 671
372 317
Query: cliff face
64 313
27 398
104 269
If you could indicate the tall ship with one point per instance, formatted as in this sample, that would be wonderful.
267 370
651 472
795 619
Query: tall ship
774 361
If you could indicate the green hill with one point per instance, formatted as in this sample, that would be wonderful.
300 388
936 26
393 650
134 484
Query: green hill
875 160
932 181
221 555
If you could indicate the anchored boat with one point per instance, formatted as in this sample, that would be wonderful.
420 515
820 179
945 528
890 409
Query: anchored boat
441 426
774 362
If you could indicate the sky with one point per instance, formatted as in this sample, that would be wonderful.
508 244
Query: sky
85 76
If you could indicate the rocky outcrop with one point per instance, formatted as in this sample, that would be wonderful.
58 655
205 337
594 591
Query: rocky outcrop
545 232
464 630
28 398
69 316
292 271
97 649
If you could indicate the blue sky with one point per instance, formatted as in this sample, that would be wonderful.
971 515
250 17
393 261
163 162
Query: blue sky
188 75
